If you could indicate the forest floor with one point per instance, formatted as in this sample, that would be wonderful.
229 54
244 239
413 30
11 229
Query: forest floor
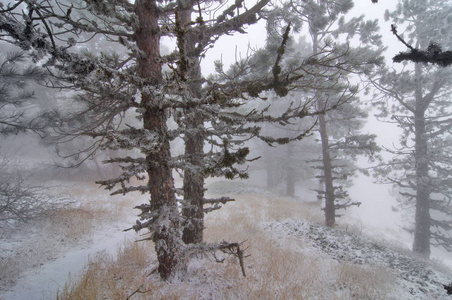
82 253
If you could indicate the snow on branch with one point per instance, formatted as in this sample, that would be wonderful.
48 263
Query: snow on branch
216 203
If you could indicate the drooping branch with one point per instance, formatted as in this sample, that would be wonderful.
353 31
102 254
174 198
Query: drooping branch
433 54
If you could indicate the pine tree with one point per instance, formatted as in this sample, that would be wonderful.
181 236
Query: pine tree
331 63
114 88
15 95
416 98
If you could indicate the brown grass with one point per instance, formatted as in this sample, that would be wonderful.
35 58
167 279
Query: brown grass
283 269
106 277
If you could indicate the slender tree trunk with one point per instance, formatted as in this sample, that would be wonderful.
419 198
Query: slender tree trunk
193 208
271 165
290 180
421 242
330 209
167 235
271 170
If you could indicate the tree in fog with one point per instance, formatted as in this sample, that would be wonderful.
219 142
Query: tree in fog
19 200
15 93
330 63
417 99
112 87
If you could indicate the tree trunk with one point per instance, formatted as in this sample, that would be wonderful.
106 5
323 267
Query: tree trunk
193 208
290 172
167 227
271 168
330 209
421 242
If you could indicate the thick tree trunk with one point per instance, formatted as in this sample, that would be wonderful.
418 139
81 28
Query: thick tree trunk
330 209
421 242
193 208
167 227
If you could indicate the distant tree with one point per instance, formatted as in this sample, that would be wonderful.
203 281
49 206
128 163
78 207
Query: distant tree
331 62
19 200
417 99
14 96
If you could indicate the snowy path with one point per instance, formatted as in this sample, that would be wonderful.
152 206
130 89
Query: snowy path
42 283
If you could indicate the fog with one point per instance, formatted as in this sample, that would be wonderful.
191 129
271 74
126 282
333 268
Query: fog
378 215
378 212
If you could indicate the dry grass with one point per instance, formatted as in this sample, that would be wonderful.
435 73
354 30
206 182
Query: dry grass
286 269
106 277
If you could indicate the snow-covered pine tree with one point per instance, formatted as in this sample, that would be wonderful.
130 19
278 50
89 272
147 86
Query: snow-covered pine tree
114 86
332 61
416 98
196 37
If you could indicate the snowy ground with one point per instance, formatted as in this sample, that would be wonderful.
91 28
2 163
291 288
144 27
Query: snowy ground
416 279
45 254
40 256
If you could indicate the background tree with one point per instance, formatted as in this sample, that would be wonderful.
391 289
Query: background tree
332 62
20 201
416 98
14 95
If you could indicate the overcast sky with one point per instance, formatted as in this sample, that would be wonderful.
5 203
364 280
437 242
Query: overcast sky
229 47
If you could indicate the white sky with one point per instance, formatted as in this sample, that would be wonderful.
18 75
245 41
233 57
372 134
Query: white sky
227 48
377 201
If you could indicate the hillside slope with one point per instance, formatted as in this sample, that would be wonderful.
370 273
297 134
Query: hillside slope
291 256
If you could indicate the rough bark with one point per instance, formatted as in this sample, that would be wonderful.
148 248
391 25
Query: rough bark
167 227
421 242
193 210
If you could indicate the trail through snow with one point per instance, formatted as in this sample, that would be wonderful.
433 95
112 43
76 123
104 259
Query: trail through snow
43 282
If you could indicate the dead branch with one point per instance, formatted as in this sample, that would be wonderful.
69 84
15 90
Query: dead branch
138 291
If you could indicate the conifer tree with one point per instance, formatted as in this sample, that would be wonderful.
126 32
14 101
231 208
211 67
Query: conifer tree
331 61
416 98
113 88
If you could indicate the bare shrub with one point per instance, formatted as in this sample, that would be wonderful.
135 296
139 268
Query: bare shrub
20 201
56 231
